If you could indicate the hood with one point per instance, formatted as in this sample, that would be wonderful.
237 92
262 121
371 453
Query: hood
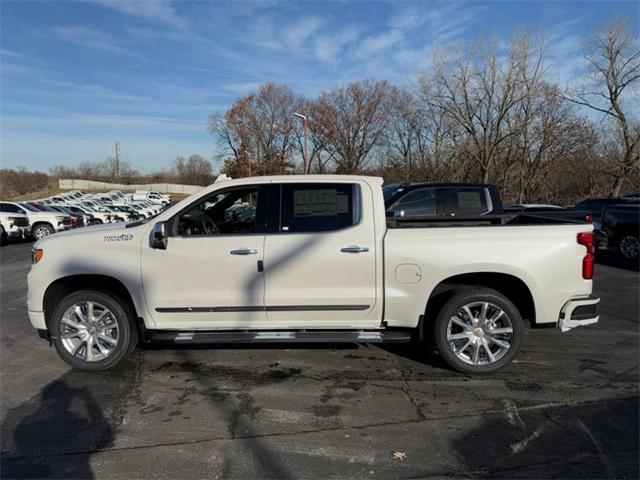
48 214
100 233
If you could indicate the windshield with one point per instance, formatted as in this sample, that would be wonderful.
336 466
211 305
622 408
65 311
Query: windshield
390 190
31 208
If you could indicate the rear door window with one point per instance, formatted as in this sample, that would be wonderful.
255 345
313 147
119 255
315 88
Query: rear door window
317 207
464 201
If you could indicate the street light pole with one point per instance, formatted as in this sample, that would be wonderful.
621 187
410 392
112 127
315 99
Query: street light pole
304 153
248 157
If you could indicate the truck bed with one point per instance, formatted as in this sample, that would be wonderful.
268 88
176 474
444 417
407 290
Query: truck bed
565 217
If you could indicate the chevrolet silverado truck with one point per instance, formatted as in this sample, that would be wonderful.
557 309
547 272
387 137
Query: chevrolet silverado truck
310 258
12 226
43 223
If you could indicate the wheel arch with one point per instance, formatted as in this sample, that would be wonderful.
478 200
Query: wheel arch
61 287
40 222
512 287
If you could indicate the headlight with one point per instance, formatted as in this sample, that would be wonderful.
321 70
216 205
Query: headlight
36 255
60 219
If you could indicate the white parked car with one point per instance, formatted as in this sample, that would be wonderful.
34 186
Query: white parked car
13 226
159 198
42 224
311 259
143 209
140 195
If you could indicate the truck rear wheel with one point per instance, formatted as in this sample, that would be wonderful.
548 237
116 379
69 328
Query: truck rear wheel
478 331
629 246
92 330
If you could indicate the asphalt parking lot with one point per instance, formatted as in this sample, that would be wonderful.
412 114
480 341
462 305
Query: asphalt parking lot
567 407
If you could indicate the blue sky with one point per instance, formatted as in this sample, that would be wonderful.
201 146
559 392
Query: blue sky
76 76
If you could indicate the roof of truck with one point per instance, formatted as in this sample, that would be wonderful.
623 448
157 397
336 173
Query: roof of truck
301 178
439 184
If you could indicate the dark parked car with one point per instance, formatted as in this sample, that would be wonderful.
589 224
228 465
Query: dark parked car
595 205
621 225
419 200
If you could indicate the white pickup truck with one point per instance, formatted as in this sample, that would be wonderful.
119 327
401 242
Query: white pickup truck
310 259
13 225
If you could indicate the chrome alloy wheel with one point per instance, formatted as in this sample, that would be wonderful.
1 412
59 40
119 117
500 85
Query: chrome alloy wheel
89 331
480 333
41 232
629 247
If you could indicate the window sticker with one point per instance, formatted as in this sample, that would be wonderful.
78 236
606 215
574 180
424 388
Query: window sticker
318 203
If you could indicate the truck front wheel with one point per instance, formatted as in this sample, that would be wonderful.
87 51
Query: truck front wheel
478 331
92 330
41 230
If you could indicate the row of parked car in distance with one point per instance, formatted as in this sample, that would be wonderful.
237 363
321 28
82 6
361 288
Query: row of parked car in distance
75 209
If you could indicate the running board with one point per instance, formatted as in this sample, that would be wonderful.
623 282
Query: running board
282 336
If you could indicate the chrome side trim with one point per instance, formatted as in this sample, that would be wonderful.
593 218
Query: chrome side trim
259 308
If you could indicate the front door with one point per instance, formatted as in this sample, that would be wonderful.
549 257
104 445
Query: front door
320 260
209 276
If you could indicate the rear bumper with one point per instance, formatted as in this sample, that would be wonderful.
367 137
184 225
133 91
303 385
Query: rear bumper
578 312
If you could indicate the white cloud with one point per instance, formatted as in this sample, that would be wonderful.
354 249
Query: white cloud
90 122
379 43
242 88
297 33
88 37
152 35
327 48
160 11
409 18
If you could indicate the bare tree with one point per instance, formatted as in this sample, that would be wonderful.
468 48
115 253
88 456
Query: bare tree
614 61
195 170
477 92
258 130
350 121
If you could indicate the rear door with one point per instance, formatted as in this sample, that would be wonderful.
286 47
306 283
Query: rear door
320 257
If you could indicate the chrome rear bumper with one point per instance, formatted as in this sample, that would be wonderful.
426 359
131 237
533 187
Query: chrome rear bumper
578 313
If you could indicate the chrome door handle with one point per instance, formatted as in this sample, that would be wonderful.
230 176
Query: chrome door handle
243 251
354 249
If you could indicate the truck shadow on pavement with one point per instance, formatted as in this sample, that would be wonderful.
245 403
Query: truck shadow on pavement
67 419
590 440
54 434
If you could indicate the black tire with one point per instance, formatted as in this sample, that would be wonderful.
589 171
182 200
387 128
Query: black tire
454 305
3 236
121 312
38 230
628 246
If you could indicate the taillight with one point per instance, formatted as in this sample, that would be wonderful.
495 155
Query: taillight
588 239
589 218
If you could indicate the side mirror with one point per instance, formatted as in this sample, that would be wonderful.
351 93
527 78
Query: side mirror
159 236
398 213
